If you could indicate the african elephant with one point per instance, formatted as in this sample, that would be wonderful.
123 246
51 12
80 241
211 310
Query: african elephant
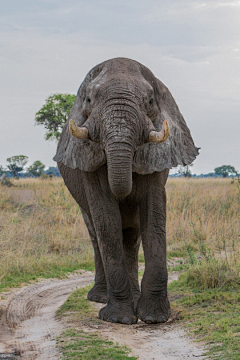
114 157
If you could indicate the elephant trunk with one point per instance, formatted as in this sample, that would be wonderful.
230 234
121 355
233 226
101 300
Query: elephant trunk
119 162
121 132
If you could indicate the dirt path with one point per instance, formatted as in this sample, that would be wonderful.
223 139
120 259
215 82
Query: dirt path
28 326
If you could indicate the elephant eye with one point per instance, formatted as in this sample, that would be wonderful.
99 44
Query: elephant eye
151 101
88 100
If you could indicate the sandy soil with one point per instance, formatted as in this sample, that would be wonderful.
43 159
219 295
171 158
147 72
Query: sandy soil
28 326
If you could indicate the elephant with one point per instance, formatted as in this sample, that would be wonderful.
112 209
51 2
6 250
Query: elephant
124 133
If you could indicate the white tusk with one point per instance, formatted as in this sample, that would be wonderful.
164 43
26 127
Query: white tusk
77 132
160 136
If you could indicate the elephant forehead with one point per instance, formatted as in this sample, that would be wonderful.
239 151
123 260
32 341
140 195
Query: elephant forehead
119 83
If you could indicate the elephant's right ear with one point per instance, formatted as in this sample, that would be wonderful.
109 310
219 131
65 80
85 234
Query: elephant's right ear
83 154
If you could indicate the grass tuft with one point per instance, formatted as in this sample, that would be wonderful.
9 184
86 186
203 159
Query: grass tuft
210 273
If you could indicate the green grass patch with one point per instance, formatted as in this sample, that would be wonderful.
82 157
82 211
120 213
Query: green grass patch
213 315
179 267
176 253
76 344
141 258
77 302
44 268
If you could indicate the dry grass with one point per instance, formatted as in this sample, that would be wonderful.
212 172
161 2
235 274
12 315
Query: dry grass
42 231
203 214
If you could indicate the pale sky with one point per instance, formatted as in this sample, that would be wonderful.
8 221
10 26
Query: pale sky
48 46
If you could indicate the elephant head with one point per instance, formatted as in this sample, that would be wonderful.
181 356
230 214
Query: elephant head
122 116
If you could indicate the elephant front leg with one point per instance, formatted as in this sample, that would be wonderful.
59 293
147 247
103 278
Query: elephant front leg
153 305
120 304
108 226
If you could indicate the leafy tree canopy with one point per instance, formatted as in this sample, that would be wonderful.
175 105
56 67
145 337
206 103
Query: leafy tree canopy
36 169
16 164
54 114
225 170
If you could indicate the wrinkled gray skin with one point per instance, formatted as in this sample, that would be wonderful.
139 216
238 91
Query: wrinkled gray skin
118 179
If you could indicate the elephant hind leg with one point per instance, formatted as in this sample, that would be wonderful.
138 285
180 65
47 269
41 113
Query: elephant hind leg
98 293
131 243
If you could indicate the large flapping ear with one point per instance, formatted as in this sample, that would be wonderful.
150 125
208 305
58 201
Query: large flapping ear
178 149
83 154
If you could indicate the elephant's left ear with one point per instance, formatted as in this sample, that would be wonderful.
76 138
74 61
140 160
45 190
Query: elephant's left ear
178 149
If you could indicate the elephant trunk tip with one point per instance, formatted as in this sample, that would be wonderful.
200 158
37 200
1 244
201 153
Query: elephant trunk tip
121 192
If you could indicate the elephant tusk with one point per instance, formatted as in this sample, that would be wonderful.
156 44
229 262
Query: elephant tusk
160 136
77 132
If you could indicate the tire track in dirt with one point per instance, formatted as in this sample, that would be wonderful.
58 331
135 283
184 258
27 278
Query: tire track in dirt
28 326
28 323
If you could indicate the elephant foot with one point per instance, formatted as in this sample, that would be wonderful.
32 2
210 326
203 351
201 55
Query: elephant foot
118 312
153 310
98 294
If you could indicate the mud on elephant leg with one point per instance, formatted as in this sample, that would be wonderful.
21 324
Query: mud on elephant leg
153 305
99 291
131 243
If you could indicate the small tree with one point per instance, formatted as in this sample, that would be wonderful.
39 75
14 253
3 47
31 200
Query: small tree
225 170
185 170
54 114
16 164
2 171
36 169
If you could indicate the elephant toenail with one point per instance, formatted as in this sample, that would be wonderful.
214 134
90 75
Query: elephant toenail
126 320
112 318
161 319
149 320
94 298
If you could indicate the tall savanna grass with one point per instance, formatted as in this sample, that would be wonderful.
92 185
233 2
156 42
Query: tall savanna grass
42 232
204 224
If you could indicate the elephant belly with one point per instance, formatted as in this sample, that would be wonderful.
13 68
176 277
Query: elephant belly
130 216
